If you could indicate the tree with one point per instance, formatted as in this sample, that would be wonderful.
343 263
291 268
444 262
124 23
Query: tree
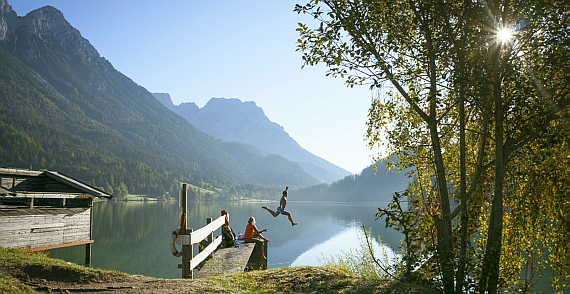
456 112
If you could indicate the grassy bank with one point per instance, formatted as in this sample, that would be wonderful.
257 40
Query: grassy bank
27 272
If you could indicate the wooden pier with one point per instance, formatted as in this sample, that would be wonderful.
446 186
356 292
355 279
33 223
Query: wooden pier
227 260
213 260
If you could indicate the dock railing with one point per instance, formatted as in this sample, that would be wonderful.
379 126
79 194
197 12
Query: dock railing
196 237
236 258
190 237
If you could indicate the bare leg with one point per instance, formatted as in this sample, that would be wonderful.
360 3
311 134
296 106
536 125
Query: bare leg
257 235
291 219
258 243
273 213
262 249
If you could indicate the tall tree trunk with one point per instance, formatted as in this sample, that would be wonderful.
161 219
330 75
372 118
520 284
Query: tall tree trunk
464 228
490 272
444 233
464 237
443 223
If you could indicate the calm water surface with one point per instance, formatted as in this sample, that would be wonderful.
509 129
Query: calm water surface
133 237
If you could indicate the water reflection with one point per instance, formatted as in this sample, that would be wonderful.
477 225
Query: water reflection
133 237
343 242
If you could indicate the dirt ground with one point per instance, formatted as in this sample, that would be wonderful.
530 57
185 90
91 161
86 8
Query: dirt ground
62 281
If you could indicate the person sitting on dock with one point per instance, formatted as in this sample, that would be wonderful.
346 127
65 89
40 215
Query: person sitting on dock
253 235
281 208
228 235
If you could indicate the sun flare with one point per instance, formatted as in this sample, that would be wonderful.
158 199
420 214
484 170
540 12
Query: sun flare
504 35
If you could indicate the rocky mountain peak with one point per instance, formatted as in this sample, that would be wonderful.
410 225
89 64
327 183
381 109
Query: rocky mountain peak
47 21
165 99
49 25
232 120
7 18
4 7
235 111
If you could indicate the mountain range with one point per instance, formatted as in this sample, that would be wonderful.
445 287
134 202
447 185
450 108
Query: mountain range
64 107
232 120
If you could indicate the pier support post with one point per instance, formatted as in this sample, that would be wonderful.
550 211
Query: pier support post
210 238
265 249
187 250
88 245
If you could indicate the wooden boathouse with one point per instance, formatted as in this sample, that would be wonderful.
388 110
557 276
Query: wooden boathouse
41 210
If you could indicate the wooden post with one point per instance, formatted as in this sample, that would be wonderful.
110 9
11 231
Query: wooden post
88 255
210 238
265 249
88 245
187 250
204 243
188 254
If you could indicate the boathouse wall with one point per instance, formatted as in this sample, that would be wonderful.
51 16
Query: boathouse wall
42 210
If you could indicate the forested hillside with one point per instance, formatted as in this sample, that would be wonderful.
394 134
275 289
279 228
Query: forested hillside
367 186
65 108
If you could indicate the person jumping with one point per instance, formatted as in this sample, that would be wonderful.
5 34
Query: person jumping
281 208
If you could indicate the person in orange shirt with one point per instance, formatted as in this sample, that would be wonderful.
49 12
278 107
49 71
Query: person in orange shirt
253 235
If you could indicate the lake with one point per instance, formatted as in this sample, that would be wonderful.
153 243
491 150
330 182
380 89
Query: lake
133 237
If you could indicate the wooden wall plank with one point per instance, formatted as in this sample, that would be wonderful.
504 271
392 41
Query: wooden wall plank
31 228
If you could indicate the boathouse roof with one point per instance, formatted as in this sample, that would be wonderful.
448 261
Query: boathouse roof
45 184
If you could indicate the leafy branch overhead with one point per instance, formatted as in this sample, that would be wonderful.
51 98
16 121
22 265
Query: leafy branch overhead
474 98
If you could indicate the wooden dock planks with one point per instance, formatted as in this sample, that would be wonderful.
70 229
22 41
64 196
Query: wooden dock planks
227 260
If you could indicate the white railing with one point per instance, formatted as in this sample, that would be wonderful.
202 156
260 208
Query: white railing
195 237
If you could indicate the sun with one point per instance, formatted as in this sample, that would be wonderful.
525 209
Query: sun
504 35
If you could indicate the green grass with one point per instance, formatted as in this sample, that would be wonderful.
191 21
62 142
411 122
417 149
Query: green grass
17 266
309 279
14 262
9 285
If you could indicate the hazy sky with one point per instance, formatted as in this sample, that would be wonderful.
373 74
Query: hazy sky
195 50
